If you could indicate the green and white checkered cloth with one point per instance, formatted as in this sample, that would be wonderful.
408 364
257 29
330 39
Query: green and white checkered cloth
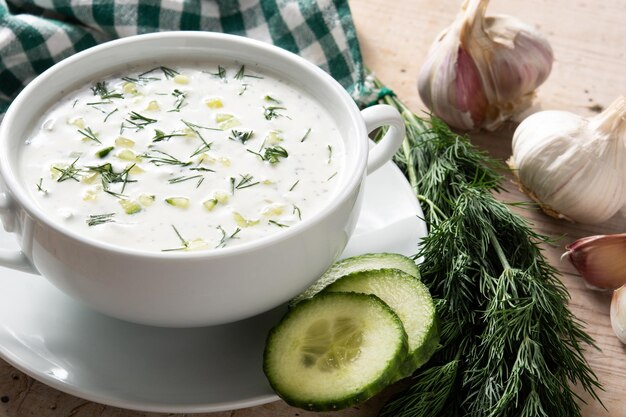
36 34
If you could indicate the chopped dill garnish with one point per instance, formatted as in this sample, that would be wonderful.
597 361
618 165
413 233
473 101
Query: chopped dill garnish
272 99
109 114
74 103
89 134
97 219
195 127
241 136
331 177
168 72
270 112
180 100
160 158
140 80
296 210
271 154
108 176
240 73
101 89
187 178
139 121
244 182
294 185
96 103
202 169
244 87
206 146
40 186
202 148
221 72
183 242
71 172
274 153
225 237
277 224
306 135
330 154
116 195
159 135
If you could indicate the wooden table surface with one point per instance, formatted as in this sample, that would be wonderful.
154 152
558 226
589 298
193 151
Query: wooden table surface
589 42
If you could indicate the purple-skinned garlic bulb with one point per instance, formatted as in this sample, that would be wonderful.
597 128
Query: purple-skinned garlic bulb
482 70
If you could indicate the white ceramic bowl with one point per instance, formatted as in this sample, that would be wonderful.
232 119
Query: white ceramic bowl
198 288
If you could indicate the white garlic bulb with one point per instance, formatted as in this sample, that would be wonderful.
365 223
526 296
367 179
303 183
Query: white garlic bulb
481 70
575 167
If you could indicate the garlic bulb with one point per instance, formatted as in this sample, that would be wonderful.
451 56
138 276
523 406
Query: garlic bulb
618 313
600 260
482 70
573 166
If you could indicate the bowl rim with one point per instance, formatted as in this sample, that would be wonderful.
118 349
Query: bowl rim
15 192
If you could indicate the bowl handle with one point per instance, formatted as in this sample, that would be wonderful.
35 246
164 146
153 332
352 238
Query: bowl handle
14 259
378 116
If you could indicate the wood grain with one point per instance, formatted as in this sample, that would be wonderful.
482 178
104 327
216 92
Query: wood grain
589 41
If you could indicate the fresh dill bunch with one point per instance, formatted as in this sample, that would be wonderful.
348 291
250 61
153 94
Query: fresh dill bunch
509 345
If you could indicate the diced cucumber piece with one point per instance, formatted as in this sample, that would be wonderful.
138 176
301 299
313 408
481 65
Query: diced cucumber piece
334 351
146 199
214 103
369 261
181 79
128 155
130 206
124 142
243 222
226 121
102 153
153 106
409 299
129 88
210 204
180 202
222 117
273 138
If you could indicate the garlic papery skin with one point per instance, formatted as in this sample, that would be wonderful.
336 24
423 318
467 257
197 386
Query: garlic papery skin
481 70
574 167
618 313
600 260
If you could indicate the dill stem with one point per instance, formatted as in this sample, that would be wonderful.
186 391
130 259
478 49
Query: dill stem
496 246
432 205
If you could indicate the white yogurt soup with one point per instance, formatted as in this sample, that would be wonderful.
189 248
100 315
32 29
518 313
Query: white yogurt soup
181 157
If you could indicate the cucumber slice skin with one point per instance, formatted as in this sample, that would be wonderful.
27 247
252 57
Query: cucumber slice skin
396 289
389 370
366 262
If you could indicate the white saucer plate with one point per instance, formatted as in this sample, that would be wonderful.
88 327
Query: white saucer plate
62 343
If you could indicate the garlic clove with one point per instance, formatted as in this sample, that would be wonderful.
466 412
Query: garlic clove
573 166
481 70
600 260
618 313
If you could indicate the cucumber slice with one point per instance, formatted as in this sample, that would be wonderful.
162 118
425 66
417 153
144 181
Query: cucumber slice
334 351
365 262
409 299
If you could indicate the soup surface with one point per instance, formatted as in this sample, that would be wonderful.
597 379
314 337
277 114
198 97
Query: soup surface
183 157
